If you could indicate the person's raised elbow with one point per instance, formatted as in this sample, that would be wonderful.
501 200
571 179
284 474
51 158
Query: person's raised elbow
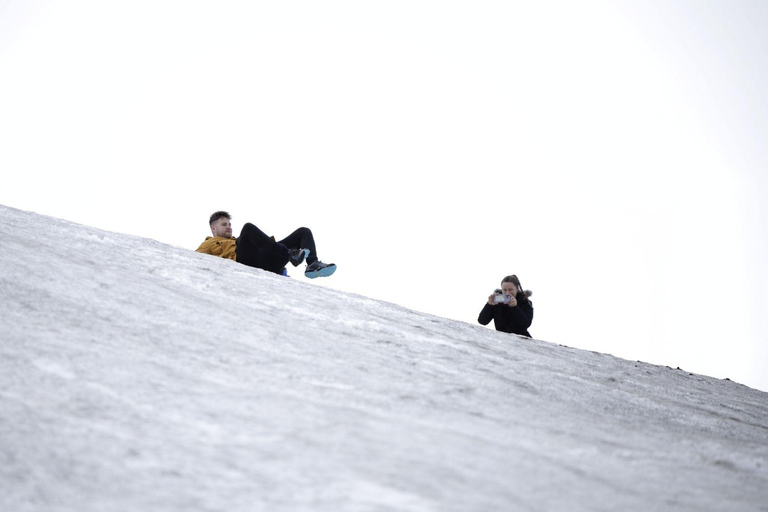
485 317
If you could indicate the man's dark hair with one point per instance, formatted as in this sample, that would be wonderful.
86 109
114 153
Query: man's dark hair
217 215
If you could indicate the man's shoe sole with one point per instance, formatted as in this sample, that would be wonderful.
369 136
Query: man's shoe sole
323 272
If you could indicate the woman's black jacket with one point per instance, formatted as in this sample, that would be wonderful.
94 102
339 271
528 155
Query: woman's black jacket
514 319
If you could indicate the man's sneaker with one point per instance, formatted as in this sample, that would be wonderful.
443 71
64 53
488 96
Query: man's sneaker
319 269
297 256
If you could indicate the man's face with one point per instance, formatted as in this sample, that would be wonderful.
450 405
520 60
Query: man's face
222 228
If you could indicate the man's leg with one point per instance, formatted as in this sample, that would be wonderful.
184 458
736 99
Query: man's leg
256 249
302 239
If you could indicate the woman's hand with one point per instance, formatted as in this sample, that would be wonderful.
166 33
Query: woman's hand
512 301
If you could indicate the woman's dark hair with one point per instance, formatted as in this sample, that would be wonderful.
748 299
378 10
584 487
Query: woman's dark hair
217 215
516 281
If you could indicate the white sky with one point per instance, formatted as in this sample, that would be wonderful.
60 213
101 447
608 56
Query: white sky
612 155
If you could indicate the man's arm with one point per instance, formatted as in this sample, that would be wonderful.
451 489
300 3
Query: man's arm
218 246
206 246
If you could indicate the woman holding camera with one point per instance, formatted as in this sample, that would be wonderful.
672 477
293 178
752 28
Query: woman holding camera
510 310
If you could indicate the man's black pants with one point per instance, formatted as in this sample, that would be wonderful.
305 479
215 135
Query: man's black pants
257 249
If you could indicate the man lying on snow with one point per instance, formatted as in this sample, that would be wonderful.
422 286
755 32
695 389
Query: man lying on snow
256 249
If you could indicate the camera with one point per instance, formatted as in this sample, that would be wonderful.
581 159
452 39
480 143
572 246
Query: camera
501 299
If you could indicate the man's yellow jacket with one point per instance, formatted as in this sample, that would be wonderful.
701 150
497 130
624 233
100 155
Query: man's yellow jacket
219 246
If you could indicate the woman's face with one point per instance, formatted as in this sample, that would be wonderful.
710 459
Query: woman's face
509 289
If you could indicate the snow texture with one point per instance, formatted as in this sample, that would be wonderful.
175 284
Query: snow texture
140 376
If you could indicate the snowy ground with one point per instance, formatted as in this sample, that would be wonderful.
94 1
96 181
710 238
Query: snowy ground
140 376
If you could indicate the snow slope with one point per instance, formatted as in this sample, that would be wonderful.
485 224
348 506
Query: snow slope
140 376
